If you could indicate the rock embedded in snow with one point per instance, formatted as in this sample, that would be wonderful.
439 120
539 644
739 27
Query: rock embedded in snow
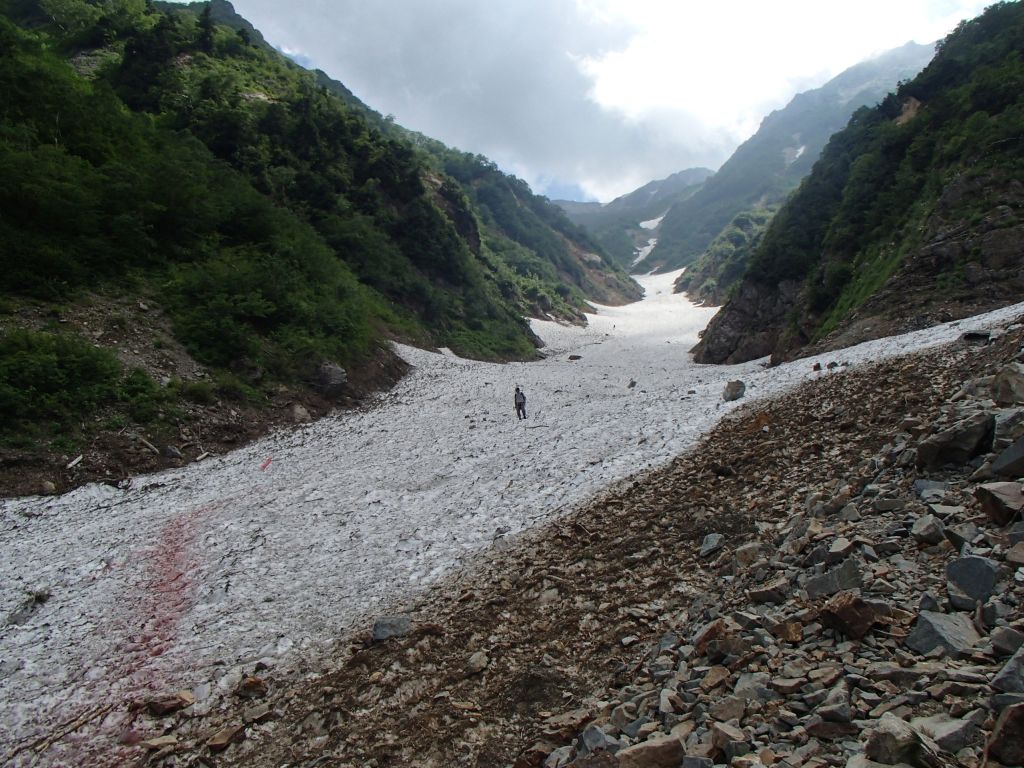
734 390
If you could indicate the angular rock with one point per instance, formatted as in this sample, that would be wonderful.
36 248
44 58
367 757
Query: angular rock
775 591
1002 502
836 707
714 678
1006 640
961 534
710 631
953 632
754 686
728 708
848 613
331 380
970 579
477 663
787 686
387 627
1010 679
892 741
711 544
734 390
846 576
951 734
225 737
839 550
747 555
723 734
1007 741
1015 555
168 705
958 444
927 529
159 742
299 413
1010 462
656 752
594 739
695 761
1008 385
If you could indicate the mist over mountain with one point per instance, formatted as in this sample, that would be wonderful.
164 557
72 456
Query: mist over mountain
616 225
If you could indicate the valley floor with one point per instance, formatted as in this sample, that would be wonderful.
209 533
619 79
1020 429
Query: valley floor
261 560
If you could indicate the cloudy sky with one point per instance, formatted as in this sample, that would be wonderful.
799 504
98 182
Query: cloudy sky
589 99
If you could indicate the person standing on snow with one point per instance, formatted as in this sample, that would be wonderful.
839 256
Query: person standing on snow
520 400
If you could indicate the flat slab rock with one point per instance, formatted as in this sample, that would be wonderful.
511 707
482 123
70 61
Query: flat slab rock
953 632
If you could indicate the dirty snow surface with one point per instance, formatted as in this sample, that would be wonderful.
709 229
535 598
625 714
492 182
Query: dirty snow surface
188 577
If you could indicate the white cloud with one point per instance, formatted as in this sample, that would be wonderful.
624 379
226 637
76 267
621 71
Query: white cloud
605 94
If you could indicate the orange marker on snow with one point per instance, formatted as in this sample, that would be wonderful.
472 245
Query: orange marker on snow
266 463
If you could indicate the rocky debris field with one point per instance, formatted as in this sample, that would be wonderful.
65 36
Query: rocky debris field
832 578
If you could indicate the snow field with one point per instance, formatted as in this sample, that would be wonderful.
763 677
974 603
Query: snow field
189 577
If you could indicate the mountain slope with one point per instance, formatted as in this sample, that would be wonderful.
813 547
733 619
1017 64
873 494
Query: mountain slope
710 278
911 216
271 231
770 164
616 225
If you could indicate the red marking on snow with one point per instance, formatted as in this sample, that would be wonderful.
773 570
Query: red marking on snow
165 594
266 463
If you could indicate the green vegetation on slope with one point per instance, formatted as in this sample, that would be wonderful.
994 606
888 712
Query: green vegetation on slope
162 154
890 187
711 277
768 166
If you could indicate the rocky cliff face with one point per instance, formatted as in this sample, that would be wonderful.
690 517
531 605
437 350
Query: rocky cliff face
750 326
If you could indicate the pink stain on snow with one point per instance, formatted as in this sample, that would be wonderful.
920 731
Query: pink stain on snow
165 594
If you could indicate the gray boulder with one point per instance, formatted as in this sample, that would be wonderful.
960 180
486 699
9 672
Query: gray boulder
1010 678
734 390
951 734
1008 385
1002 502
388 627
331 380
927 529
969 580
711 544
846 576
953 632
1010 463
959 444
